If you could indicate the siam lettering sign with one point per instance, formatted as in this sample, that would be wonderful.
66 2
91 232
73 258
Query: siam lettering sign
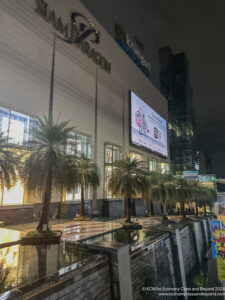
80 31
126 43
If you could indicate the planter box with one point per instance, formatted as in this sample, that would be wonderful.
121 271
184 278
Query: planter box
37 240
132 227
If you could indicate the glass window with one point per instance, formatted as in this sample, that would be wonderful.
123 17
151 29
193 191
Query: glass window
108 154
112 154
4 121
33 123
136 156
79 144
164 167
75 194
16 127
14 195
153 165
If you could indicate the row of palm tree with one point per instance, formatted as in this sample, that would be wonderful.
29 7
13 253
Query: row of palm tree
47 164
131 178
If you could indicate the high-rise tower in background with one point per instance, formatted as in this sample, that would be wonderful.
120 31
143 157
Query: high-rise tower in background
175 86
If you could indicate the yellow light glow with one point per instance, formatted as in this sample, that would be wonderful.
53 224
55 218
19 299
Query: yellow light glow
14 195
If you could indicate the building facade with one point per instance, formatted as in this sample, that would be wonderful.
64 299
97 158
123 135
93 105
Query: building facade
175 86
93 77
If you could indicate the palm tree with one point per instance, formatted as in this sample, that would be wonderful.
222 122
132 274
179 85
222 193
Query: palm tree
87 176
129 178
9 166
47 164
183 193
162 189
209 196
196 190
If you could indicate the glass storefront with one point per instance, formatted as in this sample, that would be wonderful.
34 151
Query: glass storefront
112 154
79 144
153 165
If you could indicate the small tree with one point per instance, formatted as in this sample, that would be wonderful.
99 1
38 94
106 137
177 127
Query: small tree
163 190
183 193
87 176
209 197
47 164
129 178
9 166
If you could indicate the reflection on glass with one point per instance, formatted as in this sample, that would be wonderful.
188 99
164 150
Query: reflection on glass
22 265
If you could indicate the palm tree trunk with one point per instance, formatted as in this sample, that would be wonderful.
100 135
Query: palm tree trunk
43 222
2 195
196 208
82 201
128 208
149 207
183 210
164 215
204 208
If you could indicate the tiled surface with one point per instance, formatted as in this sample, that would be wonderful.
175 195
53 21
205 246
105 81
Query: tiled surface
74 230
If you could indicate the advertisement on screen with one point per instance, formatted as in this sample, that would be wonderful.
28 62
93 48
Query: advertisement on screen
148 129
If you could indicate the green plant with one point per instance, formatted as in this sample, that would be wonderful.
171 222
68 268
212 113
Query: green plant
41 234
87 176
162 189
183 193
129 178
47 164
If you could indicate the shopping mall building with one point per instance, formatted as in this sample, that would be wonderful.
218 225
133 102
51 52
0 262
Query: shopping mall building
113 105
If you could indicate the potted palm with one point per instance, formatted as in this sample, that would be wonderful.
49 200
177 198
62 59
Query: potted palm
162 189
47 165
129 178
87 176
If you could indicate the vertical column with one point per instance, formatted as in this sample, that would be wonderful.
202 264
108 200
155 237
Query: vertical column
178 259
124 270
197 237
94 195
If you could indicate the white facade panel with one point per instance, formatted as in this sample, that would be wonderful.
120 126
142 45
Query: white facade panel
26 42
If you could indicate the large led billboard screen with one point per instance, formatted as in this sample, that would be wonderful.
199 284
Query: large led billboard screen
148 129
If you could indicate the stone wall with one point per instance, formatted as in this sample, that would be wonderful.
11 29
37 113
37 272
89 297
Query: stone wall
188 249
89 282
19 214
69 209
151 266
160 264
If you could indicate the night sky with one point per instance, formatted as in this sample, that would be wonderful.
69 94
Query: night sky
196 27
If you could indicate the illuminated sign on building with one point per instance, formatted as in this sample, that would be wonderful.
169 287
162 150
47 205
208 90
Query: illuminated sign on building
148 128
77 32
132 51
